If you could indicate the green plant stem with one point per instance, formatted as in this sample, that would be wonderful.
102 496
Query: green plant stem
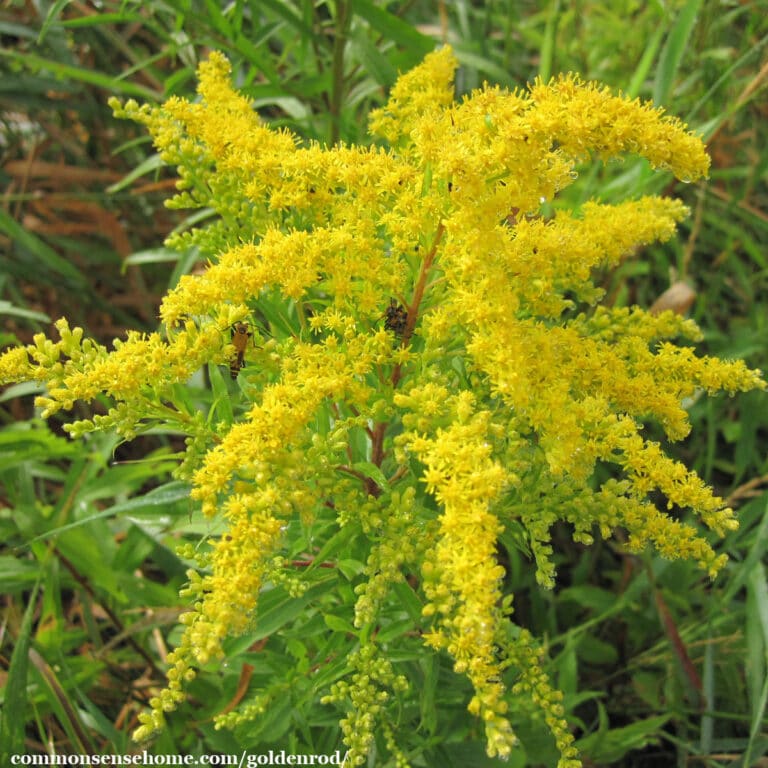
337 93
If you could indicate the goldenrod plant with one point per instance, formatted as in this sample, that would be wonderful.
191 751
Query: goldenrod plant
420 361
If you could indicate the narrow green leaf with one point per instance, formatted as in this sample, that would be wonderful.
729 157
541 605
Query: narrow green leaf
46 257
150 256
12 726
51 18
222 399
337 543
644 67
394 630
756 635
593 598
150 165
101 19
7 308
673 51
337 624
609 746
374 62
160 499
409 600
567 666
708 695
730 107
286 12
394 28
276 608
165 496
756 730
81 75
756 554
46 678
18 445
350 568
17 574
429 665
217 19
482 64
11 30
548 44
371 470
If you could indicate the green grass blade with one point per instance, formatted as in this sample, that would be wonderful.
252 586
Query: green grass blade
394 29
757 634
101 19
152 164
80 75
8 308
51 18
673 51
757 655
548 43
61 705
757 550
728 75
47 259
642 69
15 695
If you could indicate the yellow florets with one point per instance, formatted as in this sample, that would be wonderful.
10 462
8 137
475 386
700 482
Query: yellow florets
490 404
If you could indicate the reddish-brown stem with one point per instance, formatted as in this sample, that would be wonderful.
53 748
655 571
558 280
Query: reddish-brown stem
678 645
401 471
418 289
353 472
379 431
418 295
307 563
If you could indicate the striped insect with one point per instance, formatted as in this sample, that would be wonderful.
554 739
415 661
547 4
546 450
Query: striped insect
241 335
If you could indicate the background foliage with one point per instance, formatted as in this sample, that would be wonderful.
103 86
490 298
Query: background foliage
659 665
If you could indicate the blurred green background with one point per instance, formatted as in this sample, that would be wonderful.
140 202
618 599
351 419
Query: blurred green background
660 666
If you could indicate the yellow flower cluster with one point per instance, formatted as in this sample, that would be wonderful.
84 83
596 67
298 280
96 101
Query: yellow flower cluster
427 364
461 582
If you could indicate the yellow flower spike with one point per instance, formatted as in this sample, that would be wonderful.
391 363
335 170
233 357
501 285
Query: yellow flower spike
587 116
424 90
